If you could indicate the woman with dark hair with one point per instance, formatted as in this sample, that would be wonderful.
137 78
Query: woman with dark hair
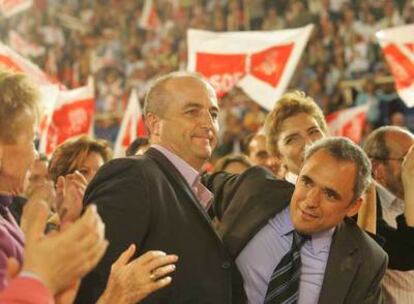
73 165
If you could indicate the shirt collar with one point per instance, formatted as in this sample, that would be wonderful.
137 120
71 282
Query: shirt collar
189 173
5 200
291 177
388 199
320 241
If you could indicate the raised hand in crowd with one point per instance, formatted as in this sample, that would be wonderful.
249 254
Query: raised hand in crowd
367 214
62 258
130 282
44 191
41 192
70 190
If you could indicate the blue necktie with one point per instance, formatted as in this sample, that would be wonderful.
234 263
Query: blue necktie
283 286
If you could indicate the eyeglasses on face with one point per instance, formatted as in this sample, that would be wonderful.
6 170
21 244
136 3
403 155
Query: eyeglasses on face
400 159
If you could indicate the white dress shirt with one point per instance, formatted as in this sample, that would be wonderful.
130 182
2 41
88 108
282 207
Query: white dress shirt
398 285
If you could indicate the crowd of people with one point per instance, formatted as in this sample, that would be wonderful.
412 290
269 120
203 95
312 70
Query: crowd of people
302 217
83 38
295 216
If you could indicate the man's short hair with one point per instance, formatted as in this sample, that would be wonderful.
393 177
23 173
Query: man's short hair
72 153
290 104
17 94
158 96
343 149
375 144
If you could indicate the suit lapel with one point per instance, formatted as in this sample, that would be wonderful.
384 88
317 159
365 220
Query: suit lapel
343 263
180 184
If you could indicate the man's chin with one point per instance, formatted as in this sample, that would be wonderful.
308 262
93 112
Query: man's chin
303 228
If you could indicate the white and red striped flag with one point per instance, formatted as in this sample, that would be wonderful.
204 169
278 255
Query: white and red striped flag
349 122
260 63
132 125
398 47
48 87
72 116
67 113
14 61
149 17
12 7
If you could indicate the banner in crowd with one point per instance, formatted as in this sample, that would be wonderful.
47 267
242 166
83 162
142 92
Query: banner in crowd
12 60
73 23
71 116
132 125
261 63
398 47
13 7
24 47
149 17
349 122
67 113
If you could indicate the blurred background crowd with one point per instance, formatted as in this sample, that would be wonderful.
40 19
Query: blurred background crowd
341 67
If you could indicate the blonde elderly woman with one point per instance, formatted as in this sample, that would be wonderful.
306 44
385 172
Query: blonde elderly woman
129 282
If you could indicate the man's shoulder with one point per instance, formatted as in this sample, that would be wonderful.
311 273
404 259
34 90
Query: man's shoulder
125 169
128 164
369 248
262 177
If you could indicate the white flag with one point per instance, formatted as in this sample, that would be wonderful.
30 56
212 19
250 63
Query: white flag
71 116
398 47
349 122
12 7
261 63
24 47
14 61
149 17
131 126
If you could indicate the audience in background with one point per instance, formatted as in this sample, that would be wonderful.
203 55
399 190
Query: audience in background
391 152
258 153
233 163
122 53
293 124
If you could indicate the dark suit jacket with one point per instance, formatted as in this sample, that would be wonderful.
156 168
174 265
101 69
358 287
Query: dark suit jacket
146 201
245 203
399 243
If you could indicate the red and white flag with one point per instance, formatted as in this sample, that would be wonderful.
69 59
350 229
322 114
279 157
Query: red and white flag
49 88
14 61
349 122
72 115
149 17
398 47
260 63
24 47
12 7
132 125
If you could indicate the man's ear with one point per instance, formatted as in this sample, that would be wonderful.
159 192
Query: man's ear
354 207
152 122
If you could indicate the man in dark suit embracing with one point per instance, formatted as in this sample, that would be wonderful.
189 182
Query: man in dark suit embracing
302 247
158 202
